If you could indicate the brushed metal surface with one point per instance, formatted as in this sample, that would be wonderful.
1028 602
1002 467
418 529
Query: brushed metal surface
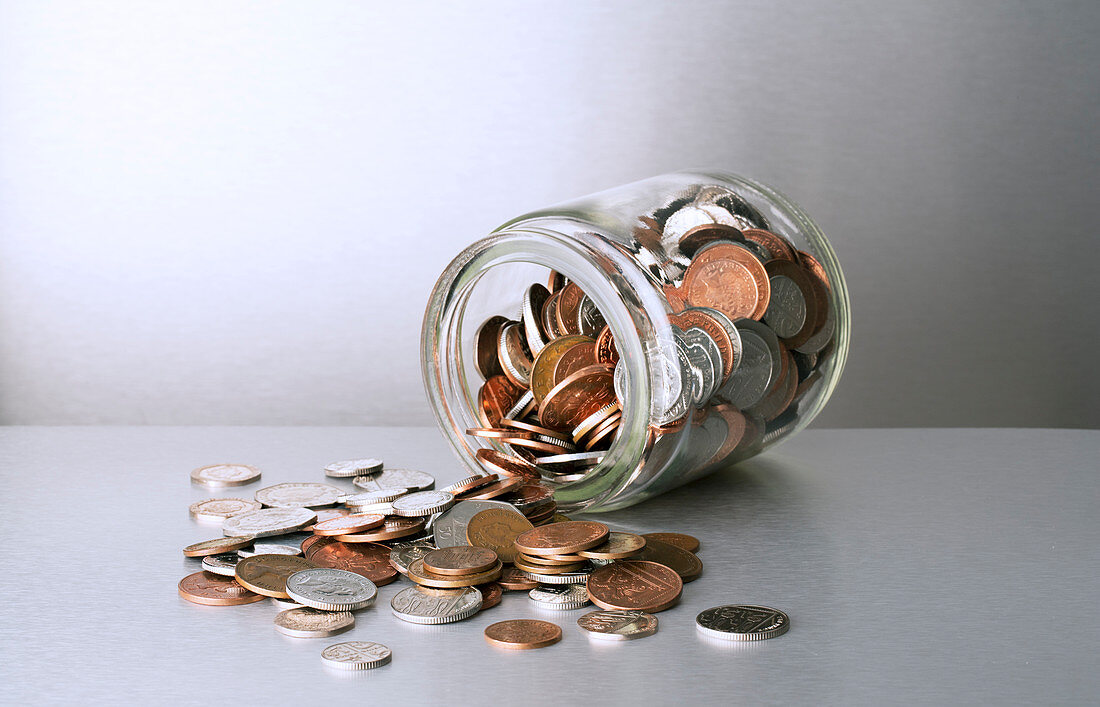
917 566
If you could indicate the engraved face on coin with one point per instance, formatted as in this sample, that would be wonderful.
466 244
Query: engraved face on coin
224 475
402 557
331 589
460 560
215 590
368 559
522 634
353 467
306 622
617 625
405 478
497 529
450 527
634 585
561 597
423 503
217 509
267 574
298 495
562 538
268 521
356 655
742 622
421 605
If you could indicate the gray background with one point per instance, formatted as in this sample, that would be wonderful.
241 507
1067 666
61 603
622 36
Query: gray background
232 213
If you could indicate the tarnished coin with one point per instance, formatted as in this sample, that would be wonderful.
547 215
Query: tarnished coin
421 576
560 598
267 548
616 547
223 564
486 358
223 475
421 605
450 527
513 579
617 625
634 585
218 509
497 529
216 546
491 595
330 589
368 559
267 574
298 495
462 560
215 590
521 634
562 538
353 467
423 503
347 525
267 522
405 478
687 542
684 563
402 557
356 655
307 622
743 622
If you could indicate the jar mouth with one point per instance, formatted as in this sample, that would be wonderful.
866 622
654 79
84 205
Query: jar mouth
618 288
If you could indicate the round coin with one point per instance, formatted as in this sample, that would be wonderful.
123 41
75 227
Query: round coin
460 560
616 547
223 475
402 557
330 589
347 525
513 579
268 521
491 595
450 526
485 347
561 597
367 498
353 467
562 538
421 605
306 622
505 465
267 574
743 622
634 585
368 559
218 509
215 590
298 495
497 488
423 503
684 563
497 529
577 397
421 576
262 548
521 634
618 625
687 542
356 655
393 529
405 478
224 564
217 546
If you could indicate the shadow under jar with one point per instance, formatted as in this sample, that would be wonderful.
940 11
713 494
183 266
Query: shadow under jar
625 343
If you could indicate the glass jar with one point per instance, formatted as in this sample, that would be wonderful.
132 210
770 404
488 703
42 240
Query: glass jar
714 304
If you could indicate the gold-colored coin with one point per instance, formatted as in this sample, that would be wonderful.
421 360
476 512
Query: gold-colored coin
497 529
547 569
267 574
421 576
460 561
557 561
618 546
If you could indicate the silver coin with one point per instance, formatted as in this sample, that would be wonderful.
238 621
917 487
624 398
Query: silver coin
731 331
223 475
707 357
567 578
356 655
218 509
760 365
743 622
405 478
286 604
367 498
420 605
618 625
517 368
689 381
680 223
223 564
353 467
530 311
262 548
401 557
560 597
306 622
589 318
821 339
583 458
450 488
267 521
331 589
450 527
298 495
384 509
423 503
519 410
786 313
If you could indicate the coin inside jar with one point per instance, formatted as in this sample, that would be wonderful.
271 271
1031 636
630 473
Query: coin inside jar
460 560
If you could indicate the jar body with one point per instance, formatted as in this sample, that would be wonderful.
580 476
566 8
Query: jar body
726 311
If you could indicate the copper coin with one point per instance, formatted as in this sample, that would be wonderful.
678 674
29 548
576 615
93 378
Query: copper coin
577 357
216 546
460 560
729 278
531 496
701 319
536 429
496 397
735 430
495 489
515 580
392 529
680 540
606 352
542 371
683 563
543 518
569 306
491 595
215 590
472 483
705 234
370 560
675 297
324 514
562 538
594 420
523 634
418 574
774 245
533 444
522 562
267 574
814 314
314 541
634 585
485 347
556 281
577 397
349 524
507 466
515 358
497 529
616 547
603 432
495 432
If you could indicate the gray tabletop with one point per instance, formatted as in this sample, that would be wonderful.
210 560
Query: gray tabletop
918 566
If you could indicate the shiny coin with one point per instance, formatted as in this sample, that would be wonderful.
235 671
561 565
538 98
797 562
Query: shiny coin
515 357
521 634
742 622
506 465
534 299
540 570
616 547
684 563
298 495
402 557
330 589
450 527
491 595
421 605
356 655
617 625
729 278
577 396
218 509
565 578
353 467
223 564
262 548
367 498
216 546
560 598
267 574
485 347
405 478
573 458
462 560
347 525
421 576
562 538
469 483
686 542
497 529
499 488
513 579
268 521
634 585
306 622
285 604
368 559
223 475
393 529
215 590
423 503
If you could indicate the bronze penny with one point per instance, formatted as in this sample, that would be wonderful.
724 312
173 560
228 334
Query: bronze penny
345 525
683 563
535 445
729 278
491 594
577 397
735 430
542 371
531 496
392 529
522 634
569 307
556 281
515 580
314 541
594 420
705 234
493 490
267 574
537 569
680 540
605 430
701 319
536 429
551 561
774 245
577 357
562 538
543 517
460 560
485 347
496 397
418 574
675 297
634 585
370 560
324 514
616 547
215 590
497 529
216 546
506 465
471 484
606 352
